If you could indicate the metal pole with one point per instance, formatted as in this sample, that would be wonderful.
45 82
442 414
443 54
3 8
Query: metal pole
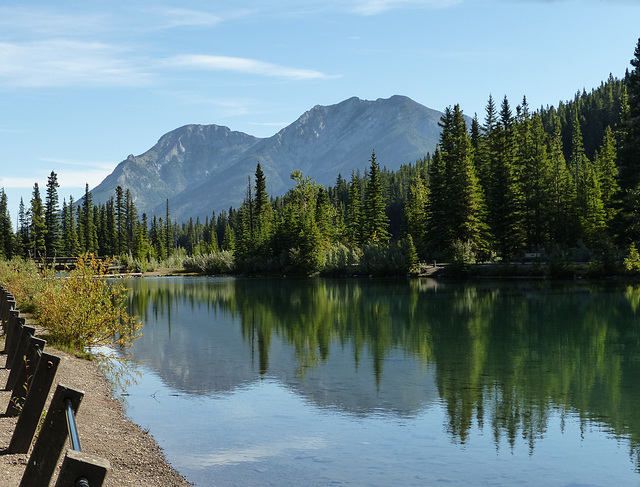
71 424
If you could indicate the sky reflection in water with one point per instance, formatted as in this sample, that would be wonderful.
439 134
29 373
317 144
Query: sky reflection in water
389 383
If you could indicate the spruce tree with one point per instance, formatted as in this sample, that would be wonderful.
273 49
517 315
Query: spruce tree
6 229
90 237
562 191
38 227
376 222
354 213
415 214
121 221
456 206
52 216
630 140
22 235
607 169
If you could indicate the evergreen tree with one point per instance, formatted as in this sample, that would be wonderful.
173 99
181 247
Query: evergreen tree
607 169
505 195
563 195
376 222
6 228
263 212
38 227
535 178
130 219
354 214
415 216
456 207
22 235
168 231
121 221
71 245
53 241
90 237
630 143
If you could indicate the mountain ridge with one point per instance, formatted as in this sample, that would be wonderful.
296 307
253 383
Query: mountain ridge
204 168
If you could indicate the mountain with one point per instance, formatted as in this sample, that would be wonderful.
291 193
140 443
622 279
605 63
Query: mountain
205 168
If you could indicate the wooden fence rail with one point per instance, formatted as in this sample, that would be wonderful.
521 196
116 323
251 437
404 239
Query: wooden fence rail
31 376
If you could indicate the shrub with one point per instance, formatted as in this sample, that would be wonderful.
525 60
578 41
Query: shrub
82 311
341 261
383 260
632 260
215 263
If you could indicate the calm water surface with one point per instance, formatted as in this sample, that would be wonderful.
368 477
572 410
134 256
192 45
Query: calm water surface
390 383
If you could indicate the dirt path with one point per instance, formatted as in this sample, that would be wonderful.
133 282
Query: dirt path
135 458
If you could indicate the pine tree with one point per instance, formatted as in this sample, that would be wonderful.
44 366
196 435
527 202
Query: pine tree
263 212
121 221
630 129
415 214
130 219
53 241
607 169
6 229
69 228
456 206
38 227
376 222
90 237
354 213
22 235
562 191
505 202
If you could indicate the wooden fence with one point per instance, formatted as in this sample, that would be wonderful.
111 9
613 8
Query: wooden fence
31 377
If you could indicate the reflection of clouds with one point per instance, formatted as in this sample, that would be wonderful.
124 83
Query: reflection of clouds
234 456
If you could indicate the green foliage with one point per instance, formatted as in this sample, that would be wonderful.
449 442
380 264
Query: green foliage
221 262
383 261
81 310
632 260
341 261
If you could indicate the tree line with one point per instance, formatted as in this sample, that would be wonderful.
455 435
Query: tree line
517 182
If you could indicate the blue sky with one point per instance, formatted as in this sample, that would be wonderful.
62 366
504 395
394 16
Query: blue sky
84 84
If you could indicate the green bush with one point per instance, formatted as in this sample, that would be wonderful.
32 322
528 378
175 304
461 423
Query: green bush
341 260
215 263
632 260
378 260
80 310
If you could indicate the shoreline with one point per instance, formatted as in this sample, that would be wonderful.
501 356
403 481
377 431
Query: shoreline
104 429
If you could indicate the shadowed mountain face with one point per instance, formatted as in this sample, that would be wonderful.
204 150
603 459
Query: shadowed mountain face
205 168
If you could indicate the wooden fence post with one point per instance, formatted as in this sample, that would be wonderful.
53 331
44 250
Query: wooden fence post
77 465
51 439
11 325
24 375
34 404
18 355
13 340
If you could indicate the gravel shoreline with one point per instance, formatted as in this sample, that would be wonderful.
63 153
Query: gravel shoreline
104 430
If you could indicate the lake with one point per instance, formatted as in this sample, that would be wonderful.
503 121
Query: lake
284 382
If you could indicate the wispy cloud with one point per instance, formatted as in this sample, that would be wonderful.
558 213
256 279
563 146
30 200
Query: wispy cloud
76 174
64 62
101 165
179 17
243 65
21 22
373 7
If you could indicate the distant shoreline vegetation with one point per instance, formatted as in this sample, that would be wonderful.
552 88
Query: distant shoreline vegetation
561 184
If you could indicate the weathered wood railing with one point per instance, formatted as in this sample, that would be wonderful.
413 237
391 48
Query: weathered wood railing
31 376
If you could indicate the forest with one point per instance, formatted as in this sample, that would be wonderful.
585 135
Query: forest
558 184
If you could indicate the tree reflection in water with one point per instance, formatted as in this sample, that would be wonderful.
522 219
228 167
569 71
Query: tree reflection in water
507 356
